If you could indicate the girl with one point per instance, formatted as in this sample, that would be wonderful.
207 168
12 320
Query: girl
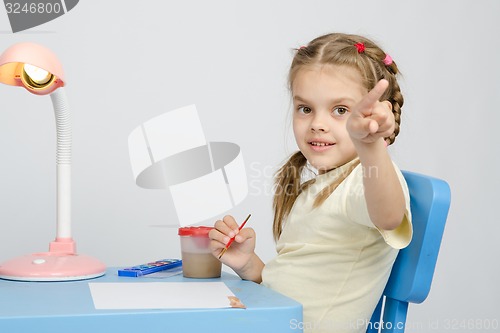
338 234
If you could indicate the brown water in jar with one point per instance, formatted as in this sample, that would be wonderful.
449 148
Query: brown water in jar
200 265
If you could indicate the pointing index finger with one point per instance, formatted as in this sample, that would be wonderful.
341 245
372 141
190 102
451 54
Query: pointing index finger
373 95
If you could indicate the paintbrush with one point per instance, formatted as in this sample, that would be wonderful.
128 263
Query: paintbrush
232 239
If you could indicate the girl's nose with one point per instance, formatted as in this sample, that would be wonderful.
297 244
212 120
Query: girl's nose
319 123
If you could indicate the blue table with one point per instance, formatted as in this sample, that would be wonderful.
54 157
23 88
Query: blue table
68 307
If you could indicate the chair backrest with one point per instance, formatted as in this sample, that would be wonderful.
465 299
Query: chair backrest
411 276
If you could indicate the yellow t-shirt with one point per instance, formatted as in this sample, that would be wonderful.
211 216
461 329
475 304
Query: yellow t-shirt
332 259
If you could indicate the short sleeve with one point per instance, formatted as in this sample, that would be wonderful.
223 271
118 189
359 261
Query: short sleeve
357 210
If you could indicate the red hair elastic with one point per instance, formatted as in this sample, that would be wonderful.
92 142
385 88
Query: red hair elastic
360 47
387 60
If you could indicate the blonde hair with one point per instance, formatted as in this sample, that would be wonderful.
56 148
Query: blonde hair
335 49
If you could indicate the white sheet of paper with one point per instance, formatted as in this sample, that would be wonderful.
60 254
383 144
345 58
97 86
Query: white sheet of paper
159 295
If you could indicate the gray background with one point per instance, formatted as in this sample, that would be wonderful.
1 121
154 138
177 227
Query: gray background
128 61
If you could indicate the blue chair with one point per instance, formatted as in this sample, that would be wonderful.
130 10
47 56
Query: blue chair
411 276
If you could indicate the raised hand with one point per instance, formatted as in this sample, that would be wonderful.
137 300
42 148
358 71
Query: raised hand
371 119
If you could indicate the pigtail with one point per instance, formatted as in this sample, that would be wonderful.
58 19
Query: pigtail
389 71
287 188
383 67
397 100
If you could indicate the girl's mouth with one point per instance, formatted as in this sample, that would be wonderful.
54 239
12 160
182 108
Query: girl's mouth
320 146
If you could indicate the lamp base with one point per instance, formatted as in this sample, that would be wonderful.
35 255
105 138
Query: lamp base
50 266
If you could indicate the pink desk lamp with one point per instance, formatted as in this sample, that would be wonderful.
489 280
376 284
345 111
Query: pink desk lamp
37 69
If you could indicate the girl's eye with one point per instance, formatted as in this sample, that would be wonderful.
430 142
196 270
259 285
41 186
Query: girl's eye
304 109
340 111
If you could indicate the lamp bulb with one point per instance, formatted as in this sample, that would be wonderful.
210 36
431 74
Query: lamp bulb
36 77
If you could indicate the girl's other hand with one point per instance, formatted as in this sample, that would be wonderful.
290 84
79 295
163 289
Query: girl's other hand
241 250
371 119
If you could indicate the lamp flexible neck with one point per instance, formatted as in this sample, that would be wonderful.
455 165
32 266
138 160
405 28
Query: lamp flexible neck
63 126
63 156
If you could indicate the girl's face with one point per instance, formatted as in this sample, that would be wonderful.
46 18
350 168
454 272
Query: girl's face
323 97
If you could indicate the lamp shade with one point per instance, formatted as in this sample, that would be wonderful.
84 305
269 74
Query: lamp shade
33 67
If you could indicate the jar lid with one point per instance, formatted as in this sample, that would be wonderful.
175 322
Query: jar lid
195 231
